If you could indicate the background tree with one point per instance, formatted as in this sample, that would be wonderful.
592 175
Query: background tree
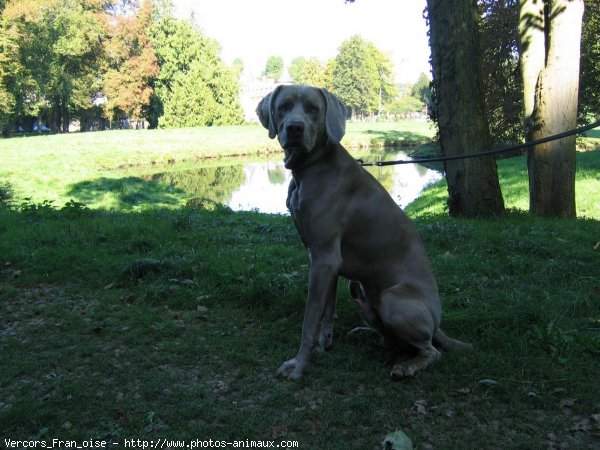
132 64
550 42
386 88
238 67
9 69
309 71
194 87
502 82
362 76
473 185
589 91
274 67
403 106
421 90
295 69
59 49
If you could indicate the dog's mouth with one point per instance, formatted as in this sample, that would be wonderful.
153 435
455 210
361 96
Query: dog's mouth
292 154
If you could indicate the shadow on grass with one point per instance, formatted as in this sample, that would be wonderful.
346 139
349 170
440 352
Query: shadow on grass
395 138
125 193
188 313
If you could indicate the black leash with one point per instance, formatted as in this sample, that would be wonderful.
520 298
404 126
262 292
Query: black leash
496 151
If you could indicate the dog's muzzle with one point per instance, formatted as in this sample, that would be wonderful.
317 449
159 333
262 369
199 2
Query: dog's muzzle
293 142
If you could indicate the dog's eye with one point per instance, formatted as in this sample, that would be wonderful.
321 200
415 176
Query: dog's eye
313 109
283 107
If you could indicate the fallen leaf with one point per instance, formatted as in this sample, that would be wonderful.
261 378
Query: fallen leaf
583 425
597 246
420 407
278 431
566 403
463 391
397 440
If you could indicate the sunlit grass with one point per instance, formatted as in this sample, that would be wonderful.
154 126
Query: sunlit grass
170 322
47 167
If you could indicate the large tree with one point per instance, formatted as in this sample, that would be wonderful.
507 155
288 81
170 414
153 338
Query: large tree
473 185
194 87
9 69
550 34
274 67
59 49
309 71
362 76
132 64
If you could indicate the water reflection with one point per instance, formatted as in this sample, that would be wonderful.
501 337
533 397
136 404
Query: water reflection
263 186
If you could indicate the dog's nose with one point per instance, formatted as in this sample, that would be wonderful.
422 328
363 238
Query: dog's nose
295 128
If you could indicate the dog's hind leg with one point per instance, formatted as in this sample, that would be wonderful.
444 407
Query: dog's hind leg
412 324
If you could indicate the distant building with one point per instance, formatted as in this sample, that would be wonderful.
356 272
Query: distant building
254 89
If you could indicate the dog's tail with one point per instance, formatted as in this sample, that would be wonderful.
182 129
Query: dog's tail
441 340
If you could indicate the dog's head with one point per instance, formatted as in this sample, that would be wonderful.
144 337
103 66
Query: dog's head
304 119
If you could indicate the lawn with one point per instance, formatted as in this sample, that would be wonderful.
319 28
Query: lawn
49 167
169 323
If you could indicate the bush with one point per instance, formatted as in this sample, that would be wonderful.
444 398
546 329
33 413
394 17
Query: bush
6 194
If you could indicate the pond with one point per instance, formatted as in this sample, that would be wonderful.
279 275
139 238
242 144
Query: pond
262 186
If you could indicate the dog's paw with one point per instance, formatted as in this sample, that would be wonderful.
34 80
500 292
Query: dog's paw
290 370
401 371
325 342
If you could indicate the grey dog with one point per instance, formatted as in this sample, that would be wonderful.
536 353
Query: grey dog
351 227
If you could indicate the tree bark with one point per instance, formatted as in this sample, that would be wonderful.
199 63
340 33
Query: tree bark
532 38
552 165
473 186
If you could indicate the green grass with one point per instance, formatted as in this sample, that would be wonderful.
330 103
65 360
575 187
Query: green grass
55 167
171 322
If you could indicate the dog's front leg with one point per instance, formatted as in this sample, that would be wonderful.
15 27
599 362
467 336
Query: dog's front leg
321 298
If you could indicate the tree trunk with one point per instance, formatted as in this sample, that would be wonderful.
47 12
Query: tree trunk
473 185
533 53
552 165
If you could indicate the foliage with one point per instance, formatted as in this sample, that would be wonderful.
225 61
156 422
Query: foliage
194 87
362 76
502 82
89 59
59 49
403 105
6 194
295 69
274 67
421 90
132 64
309 71
589 82
9 68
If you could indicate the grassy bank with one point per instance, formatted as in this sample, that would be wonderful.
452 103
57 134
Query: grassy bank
171 324
49 167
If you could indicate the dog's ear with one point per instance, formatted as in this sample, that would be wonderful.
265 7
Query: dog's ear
264 110
335 119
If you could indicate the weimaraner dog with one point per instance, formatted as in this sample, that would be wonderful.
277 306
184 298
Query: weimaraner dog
353 228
